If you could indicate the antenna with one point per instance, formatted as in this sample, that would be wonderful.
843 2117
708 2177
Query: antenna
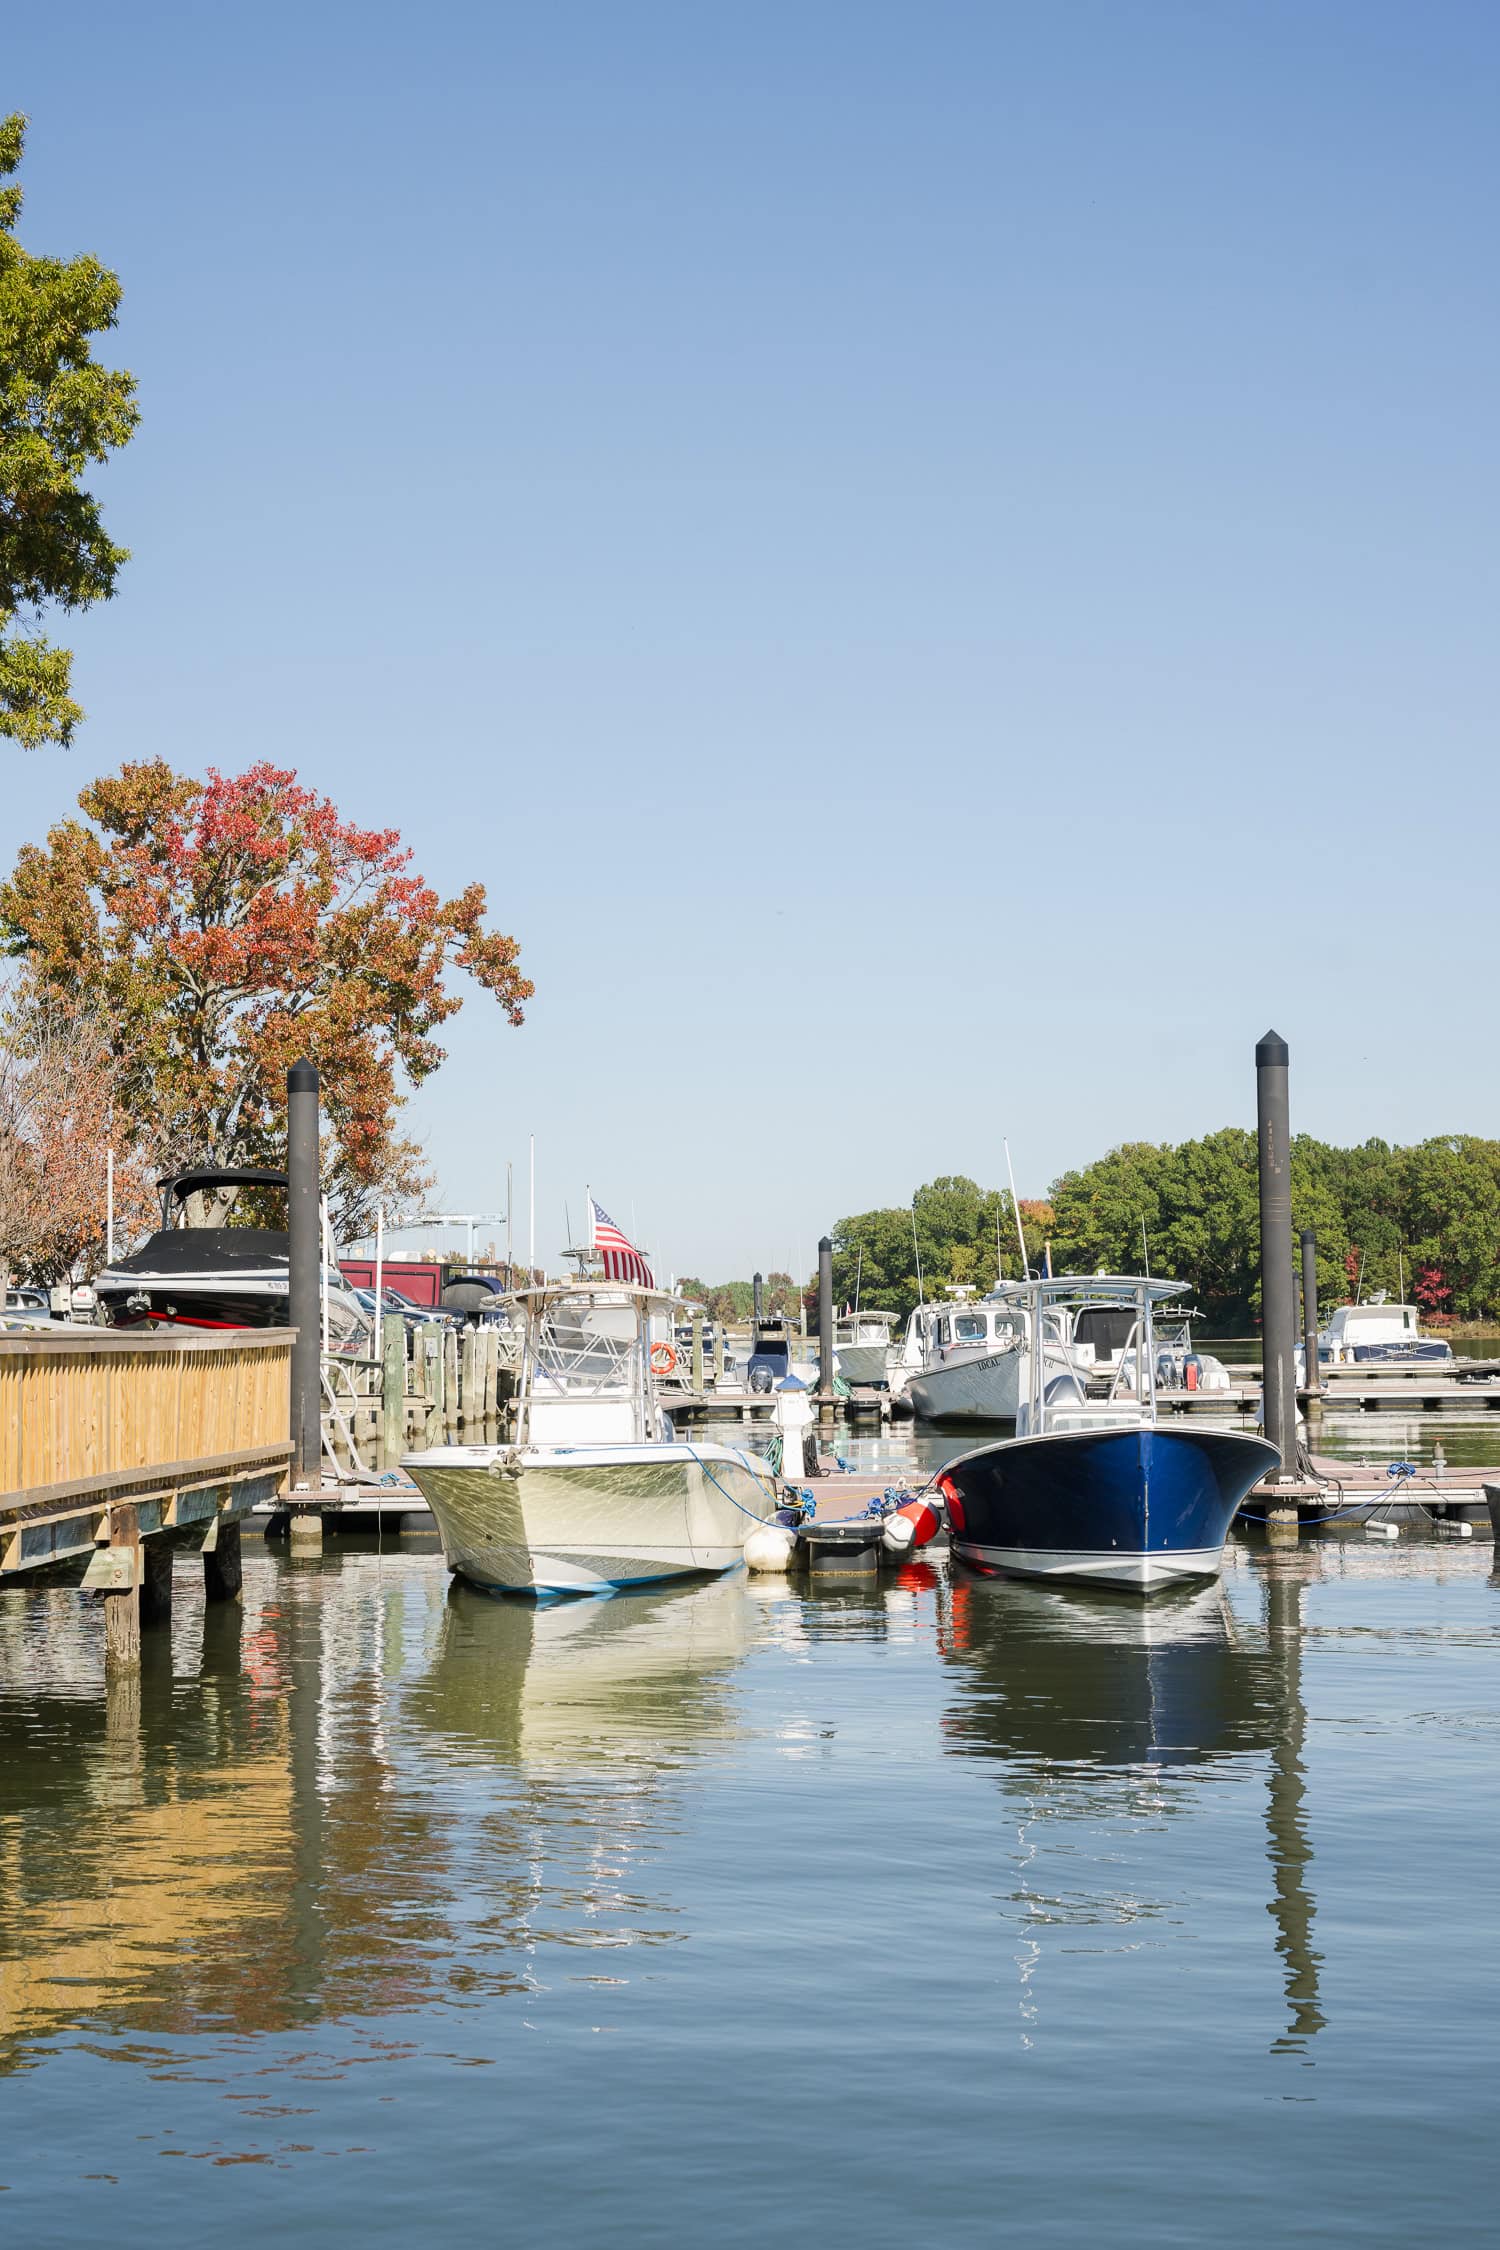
1145 1252
1016 1209
921 1291
859 1267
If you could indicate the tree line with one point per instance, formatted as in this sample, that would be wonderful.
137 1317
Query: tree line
735 1300
1420 1221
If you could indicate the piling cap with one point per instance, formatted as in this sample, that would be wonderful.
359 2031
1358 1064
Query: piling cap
302 1078
1272 1049
825 1242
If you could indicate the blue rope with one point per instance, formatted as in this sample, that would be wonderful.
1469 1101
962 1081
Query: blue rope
729 1496
1401 1472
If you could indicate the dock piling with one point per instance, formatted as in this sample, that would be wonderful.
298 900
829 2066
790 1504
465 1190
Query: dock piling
304 1279
156 1582
122 1603
305 1532
1312 1384
392 1389
1278 1295
825 1321
223 1572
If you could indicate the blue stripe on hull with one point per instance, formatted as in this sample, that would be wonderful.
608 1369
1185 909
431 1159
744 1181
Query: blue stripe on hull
1138 1494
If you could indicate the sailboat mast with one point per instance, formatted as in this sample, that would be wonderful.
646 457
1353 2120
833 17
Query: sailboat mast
1016 1210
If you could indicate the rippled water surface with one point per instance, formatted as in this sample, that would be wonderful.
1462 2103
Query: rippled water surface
945 1912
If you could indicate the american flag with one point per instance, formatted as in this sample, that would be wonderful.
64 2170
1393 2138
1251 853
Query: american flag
622 1260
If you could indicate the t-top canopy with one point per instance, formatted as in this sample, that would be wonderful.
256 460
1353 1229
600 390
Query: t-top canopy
184 1184
1069 1288
543 1293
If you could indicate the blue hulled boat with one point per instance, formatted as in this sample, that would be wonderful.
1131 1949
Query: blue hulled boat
1093 1487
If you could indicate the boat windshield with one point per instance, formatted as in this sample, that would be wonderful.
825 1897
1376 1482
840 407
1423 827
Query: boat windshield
583 1345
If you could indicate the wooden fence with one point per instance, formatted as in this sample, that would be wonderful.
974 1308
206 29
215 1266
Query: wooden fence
108 1436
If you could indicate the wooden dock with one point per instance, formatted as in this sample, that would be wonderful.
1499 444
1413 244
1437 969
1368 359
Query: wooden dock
118 1448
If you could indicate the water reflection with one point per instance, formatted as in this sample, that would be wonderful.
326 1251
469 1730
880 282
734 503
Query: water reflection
267 1828
1096 1705
631 1683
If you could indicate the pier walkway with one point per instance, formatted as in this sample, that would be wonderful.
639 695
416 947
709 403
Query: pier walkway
117 1448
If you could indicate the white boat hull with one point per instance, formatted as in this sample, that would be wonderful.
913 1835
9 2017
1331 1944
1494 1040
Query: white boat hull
586 1519
1140 1572
863 1363
985 1388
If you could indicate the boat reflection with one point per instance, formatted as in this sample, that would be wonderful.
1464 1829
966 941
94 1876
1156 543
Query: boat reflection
1099 1707
636 1681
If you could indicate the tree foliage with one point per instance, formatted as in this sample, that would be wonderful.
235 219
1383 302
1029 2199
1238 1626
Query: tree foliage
735 1300
222 928
57 1114
59 412
966 1236
1424 1220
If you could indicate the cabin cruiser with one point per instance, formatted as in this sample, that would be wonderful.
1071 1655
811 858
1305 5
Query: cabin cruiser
961 1360
862 1346
196 1275
1378 1334
595 1490
1090 1487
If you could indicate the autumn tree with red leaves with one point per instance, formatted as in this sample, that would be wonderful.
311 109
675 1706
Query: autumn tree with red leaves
222 928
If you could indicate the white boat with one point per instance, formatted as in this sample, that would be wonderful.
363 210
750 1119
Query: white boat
1379 1334
862 1346
595 1490
963 1360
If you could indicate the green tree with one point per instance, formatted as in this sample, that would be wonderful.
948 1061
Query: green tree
59 412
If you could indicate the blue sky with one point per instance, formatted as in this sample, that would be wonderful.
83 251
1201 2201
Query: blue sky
939 559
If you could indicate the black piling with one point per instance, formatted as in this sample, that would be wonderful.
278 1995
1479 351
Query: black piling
1278 1288
1311 1382
305 1310
755 1289
825 1319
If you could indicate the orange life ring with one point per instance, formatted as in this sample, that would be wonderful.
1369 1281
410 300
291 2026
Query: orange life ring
663 1359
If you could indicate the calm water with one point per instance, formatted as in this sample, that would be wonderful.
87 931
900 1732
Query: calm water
950 1912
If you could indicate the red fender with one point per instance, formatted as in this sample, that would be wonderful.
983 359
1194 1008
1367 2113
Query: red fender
910 1526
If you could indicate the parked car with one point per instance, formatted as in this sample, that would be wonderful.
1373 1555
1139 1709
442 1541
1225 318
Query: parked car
415 1316
28 1300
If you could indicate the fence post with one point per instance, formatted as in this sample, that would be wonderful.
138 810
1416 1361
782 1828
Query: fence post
392 1389
450 1384
468 1380
430 1340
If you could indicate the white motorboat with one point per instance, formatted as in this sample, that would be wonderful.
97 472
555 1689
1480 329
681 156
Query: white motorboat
862 1346
963 1360
1379 1334
595 1490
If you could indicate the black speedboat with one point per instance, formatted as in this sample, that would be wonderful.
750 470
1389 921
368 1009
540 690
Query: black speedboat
216 1276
